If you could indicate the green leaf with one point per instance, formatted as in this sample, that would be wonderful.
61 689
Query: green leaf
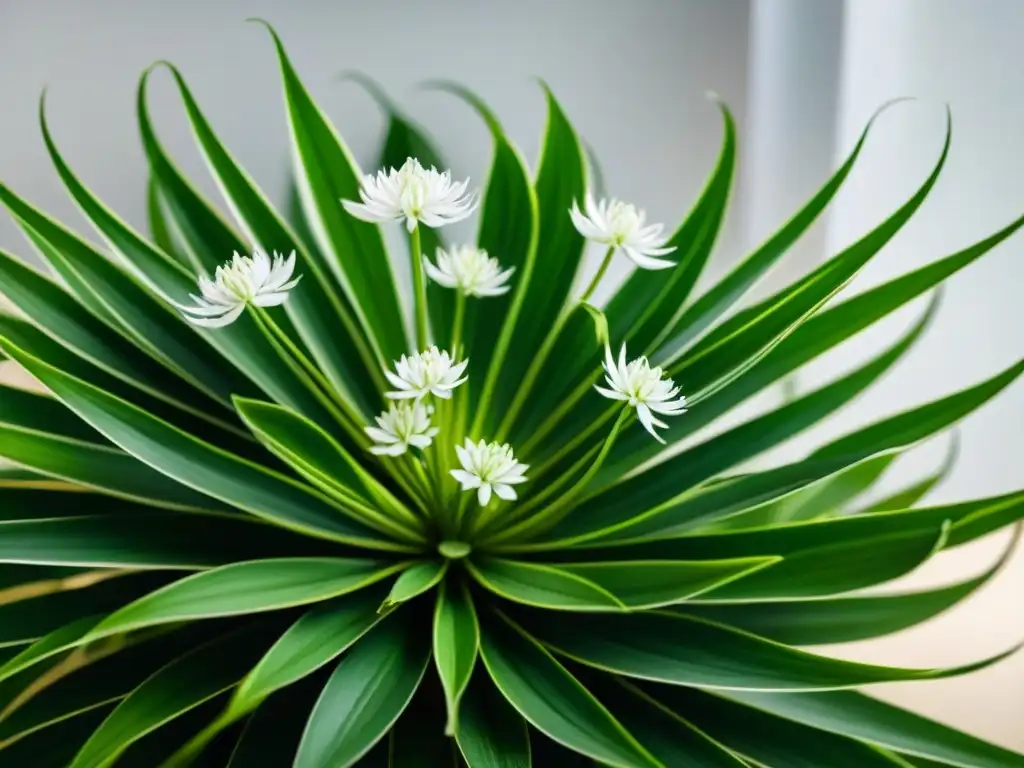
245 588
58 315
180 686
151 324
561 180
210 241
644 307
621 506
736 345
843 619
823 498
684 650
326 173
414 581
405 139
198 465
508 232
54 747
103 468
38 412
367 692
653 583
671 738
38 344
490 733
762 738
913 493
554 701
456 639
712 305
969 519
319 636
840 567
159 229
923 421
320 459
105 677
143 538
29 619
542 585
820 333
46 648
322 316
861 717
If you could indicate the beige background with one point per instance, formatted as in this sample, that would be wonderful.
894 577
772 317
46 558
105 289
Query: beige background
802 75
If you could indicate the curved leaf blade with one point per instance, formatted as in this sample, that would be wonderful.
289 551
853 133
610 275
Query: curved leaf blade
174 690
542 585
198 465
320 635
843 619
456 637
490 733
683 650
326 174
861 717
245 588
554 701
368 691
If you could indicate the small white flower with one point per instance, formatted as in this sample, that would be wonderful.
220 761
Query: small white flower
402 425
415 194
643 388
621 225
431 372
469 270
488 467
242 281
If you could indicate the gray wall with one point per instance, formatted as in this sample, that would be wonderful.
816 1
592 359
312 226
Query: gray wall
632 76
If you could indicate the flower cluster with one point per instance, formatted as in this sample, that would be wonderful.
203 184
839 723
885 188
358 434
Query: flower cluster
429 197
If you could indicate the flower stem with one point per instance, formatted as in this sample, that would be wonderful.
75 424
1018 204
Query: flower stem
460 316
605 263
319 386
524 389
551 515
419 288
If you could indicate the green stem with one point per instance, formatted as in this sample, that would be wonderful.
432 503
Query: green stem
524 389
460 317
319 386
600 274
419 285
564 408
555 513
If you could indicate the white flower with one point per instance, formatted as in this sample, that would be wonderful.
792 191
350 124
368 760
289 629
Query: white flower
242 281
469 270
415 194
488 467
402 425
429 372
621 225
643 388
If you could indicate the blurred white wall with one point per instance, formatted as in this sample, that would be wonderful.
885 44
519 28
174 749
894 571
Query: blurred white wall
802 77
